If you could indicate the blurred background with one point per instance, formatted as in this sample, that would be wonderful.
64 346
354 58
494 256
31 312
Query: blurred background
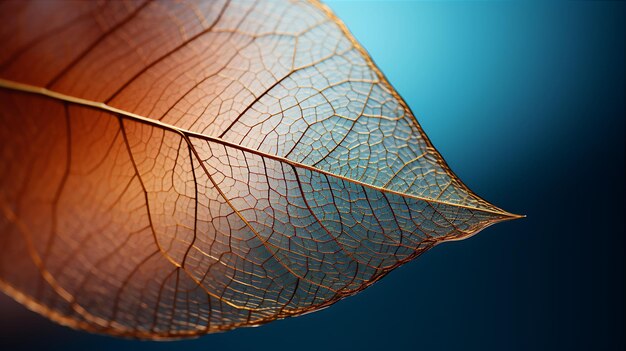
526 102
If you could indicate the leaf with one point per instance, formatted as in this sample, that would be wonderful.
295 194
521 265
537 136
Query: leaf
173 169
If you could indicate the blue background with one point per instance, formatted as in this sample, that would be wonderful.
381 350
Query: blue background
526 101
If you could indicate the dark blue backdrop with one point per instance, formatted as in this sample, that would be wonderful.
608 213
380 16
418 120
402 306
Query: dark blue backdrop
526 103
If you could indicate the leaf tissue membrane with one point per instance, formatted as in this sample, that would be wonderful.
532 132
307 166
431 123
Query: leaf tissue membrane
170 169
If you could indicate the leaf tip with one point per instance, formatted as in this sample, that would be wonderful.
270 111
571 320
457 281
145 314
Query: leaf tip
507 216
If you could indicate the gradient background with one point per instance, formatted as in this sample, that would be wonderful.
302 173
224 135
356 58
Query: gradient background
526 101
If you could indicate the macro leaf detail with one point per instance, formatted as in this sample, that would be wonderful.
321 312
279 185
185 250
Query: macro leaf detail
171 169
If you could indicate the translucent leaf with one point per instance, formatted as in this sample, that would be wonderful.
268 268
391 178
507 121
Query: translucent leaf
172 169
